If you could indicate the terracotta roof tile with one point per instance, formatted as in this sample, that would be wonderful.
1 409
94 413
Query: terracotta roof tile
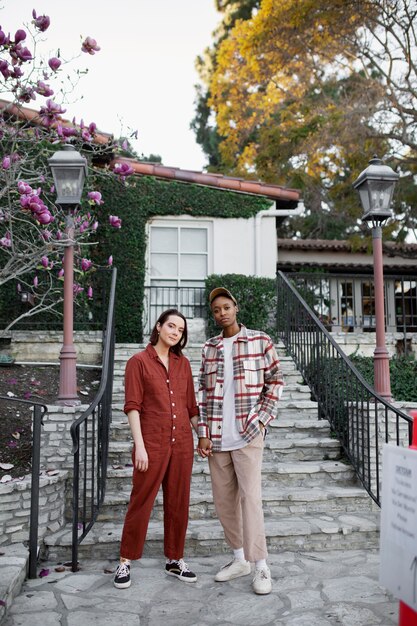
410 249
275 192
231 183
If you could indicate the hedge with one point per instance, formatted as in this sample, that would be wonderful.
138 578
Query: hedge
256 298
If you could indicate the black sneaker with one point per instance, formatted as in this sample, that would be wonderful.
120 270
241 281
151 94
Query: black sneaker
181 571
122 578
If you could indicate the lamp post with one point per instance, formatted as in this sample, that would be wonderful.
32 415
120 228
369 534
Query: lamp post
376 186
69 170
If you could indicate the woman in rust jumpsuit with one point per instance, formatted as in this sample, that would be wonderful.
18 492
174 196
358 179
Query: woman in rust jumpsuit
161 407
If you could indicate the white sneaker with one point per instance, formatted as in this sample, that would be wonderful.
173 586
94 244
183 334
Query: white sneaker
234 569
262 583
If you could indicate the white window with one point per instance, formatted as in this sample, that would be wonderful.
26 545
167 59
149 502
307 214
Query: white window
177 267
178 255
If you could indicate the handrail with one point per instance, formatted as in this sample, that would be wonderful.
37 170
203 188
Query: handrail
91 449
39 411
360 418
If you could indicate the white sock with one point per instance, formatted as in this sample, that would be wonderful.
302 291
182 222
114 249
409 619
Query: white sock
239 554
260 564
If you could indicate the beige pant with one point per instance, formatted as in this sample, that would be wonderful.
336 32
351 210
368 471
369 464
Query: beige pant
237 494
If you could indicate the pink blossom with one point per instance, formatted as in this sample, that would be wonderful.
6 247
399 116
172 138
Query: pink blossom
90 46
41 22
5 69
61 273
23 187
20 54
86 135
6 162
43 89
86 264
17 72
90 292
123 170
94 226
6 242
54 63
92 128
20 35
35 281
95 197
46 235
110 261
115 221
44 218
49 114
77 289
44 261
4 40
65 131
26 94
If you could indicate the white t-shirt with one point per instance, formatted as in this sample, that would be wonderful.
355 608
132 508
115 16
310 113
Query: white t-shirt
231 438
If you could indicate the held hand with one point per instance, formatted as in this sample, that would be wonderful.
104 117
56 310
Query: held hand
204 447
141 459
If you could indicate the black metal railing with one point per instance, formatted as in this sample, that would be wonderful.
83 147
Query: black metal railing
90 436
38 412
361 419
191 301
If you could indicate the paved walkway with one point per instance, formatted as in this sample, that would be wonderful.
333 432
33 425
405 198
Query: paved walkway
309 589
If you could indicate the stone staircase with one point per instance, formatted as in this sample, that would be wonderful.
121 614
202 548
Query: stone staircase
312 500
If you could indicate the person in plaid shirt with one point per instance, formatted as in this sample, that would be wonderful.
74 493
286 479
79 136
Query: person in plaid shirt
240 384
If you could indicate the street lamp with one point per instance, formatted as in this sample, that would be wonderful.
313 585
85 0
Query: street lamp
376 187
69 170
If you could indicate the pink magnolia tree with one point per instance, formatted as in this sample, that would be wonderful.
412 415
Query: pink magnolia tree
32 128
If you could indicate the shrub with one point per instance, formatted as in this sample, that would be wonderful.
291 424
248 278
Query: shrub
256 297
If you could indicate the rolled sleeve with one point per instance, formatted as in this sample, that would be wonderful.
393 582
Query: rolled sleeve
133 386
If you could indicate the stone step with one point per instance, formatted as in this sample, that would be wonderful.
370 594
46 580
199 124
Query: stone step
309 449
307 409
297 474
309 532
276 501
283 428
292 391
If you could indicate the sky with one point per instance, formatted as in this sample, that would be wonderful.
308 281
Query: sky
143 77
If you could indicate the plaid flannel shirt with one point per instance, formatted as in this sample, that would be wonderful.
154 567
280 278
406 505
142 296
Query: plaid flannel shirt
257 380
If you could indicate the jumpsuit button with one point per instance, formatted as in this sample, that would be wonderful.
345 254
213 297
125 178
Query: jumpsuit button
174 416
173 428
173 404
173 440
168 380
171 392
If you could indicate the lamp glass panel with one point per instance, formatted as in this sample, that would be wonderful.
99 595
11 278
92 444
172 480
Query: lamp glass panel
380 193
68 181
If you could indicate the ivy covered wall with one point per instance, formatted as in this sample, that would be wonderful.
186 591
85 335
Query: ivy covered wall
135 203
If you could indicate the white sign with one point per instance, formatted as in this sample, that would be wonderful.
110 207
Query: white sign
398 545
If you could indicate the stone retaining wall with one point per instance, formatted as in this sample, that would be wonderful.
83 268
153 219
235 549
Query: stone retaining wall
44 346
15 507
363 344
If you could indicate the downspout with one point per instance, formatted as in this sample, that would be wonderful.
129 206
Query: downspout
270 213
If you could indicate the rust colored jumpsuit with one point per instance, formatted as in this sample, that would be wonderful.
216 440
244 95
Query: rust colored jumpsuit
166 402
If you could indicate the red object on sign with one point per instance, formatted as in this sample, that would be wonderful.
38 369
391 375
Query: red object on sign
407 616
